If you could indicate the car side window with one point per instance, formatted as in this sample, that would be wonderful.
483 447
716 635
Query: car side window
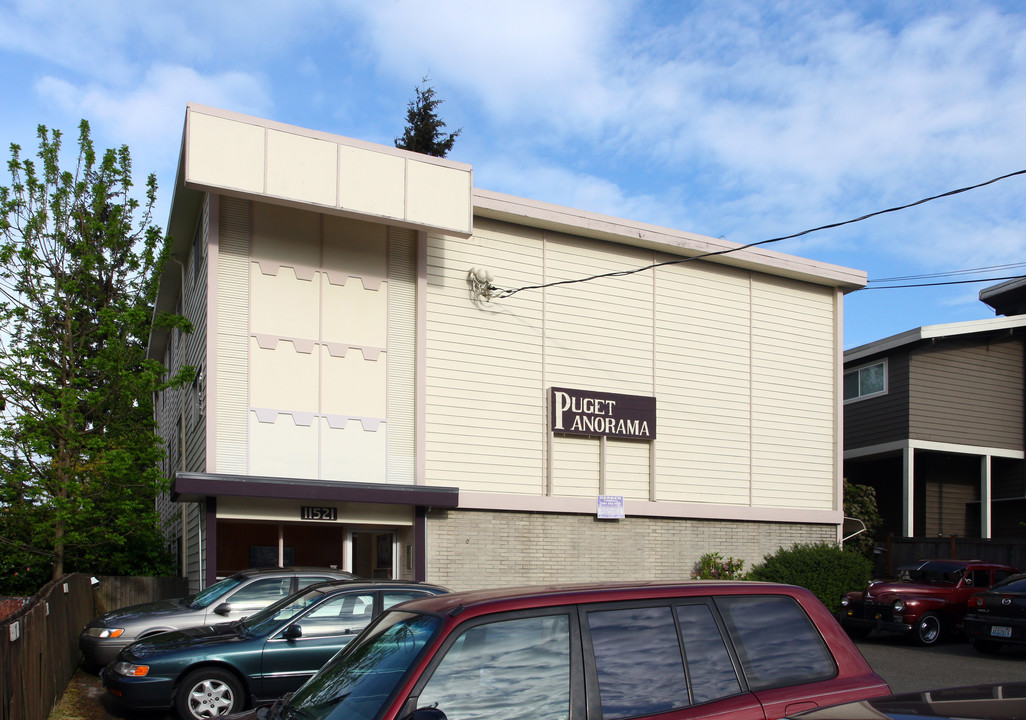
519 669
710 668
638 661
260 593
341 615
978 579
306 581
394 597
776 642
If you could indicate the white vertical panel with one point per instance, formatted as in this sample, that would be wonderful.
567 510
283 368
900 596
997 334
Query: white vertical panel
793 395
232 337
283 304
283 378
354 385
283 448
575 465
353 453
401 357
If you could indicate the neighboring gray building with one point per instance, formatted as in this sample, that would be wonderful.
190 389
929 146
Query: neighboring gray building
934 422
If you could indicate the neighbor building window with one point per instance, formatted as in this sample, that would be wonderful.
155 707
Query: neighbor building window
865 381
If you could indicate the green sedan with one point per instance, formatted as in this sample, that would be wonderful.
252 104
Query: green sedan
216 670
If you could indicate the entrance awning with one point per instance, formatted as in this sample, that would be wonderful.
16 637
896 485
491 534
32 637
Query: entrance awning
194 487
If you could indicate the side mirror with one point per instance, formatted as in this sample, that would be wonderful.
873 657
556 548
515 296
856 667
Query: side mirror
223 609
292 632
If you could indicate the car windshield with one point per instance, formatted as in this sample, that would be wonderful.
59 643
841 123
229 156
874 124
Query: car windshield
359 680
271 617
933 572
207 596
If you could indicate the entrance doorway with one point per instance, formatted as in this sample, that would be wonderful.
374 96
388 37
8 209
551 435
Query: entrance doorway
373 554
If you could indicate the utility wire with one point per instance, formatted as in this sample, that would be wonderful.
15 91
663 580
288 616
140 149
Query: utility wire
497 292
950 273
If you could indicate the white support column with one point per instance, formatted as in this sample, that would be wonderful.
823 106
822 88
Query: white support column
986 471
907 488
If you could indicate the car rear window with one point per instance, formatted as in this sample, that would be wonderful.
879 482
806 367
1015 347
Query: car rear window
776 641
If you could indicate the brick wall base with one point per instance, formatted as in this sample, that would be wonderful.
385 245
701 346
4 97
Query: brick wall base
471 549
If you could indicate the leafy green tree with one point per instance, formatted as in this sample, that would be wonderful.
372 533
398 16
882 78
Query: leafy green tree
860 503
424 129
79 451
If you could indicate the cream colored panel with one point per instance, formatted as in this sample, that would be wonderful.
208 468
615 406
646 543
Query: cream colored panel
627 469
438 196
355 248
794 395
283 304
225 153
230 451
599 334
372 182
282 448
355 316
282 378
286 235
483 357
575 466
352 453
254 508
301 168
703 377
354 386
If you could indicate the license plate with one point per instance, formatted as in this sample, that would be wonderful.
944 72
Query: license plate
1001 631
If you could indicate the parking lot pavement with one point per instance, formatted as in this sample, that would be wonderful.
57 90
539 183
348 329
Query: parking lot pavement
950 663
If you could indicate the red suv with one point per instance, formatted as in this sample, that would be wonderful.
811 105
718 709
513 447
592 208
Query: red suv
685 650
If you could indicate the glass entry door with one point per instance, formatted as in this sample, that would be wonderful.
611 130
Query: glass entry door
373 554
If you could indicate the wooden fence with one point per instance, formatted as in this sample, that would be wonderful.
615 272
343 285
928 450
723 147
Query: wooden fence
39 643
899 551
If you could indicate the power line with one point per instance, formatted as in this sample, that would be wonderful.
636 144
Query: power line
948 282
950 273
497 292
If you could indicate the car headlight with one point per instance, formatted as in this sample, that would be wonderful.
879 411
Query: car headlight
131 669
899 605
845 601
102 632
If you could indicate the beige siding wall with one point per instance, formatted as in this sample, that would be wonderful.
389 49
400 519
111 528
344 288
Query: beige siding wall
743 366
468 550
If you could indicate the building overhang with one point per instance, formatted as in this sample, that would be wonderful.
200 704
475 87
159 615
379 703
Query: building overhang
196 487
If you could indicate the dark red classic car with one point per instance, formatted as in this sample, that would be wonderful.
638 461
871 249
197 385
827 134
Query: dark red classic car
925 600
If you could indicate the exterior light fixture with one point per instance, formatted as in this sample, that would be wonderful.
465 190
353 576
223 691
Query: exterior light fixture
480 281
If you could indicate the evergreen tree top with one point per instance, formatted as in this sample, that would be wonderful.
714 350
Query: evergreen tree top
424 132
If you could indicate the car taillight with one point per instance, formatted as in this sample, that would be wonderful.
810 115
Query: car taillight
978 602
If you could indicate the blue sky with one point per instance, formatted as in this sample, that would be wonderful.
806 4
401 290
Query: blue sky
743 120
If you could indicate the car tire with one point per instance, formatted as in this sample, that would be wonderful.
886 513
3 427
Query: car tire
987 647
208 693
927 631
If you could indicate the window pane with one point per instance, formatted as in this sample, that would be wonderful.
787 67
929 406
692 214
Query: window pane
640 669
261 592
509 670
775 641
871 379
851 385
342 615
712 673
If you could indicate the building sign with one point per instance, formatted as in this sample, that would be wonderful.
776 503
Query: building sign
588 412
318 513
610 507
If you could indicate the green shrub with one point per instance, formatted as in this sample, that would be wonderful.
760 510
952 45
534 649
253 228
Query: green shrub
712 566
825 569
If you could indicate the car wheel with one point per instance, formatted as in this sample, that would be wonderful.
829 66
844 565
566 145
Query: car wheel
987 647
208 693
928 630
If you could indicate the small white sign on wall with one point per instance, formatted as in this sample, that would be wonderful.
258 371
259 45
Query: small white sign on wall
610 507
